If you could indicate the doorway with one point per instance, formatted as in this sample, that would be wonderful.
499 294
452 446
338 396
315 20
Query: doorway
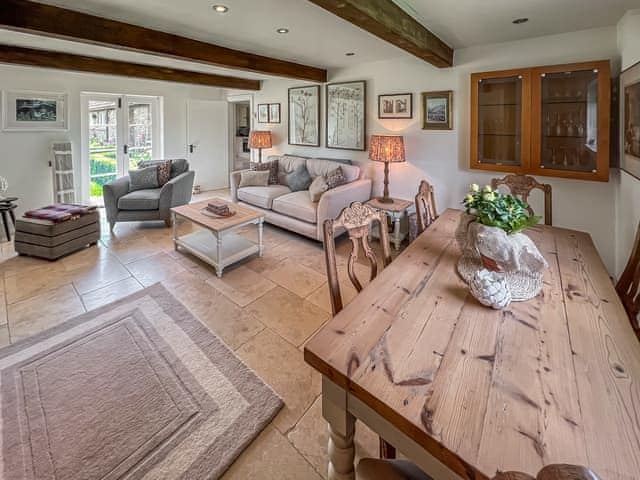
240 124
118 132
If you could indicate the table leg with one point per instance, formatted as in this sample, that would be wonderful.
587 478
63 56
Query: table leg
341 447
219 266
260 244
397 240
6 225
175 230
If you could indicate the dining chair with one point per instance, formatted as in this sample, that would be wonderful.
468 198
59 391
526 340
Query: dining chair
357 219
521 186
552 472
426 212
628 286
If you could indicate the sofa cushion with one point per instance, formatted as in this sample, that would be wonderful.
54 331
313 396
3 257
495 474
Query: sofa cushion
297 205
143 178
286 165
319 167
335 178
140 200
299 179
271 166
251 178
262 196
317 188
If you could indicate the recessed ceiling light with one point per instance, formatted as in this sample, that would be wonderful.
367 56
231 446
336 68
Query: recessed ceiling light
518 21
349 54
282 30
221 8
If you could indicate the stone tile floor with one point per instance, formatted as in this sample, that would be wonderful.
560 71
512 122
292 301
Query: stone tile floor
265 309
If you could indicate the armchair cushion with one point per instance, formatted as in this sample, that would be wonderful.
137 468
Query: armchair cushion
140 200
178 167
143 178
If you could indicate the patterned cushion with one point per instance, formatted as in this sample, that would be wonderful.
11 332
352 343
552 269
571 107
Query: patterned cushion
164 172
143 178
271 165
250 178
299 179
335 178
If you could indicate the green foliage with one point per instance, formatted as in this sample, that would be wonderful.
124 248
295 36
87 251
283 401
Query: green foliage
496 209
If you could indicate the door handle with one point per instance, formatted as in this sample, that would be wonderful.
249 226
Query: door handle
125 149
192 147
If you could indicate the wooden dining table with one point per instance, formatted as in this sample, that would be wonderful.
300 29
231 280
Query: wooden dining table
465 391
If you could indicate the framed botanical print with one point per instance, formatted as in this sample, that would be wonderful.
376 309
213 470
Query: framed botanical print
304 116
630 120
346 115
395 106
437 111
34 111
263 113
274 113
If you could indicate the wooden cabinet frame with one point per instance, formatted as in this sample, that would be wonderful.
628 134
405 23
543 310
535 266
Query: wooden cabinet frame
531 121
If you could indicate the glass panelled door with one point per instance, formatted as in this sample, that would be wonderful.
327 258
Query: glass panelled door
120 131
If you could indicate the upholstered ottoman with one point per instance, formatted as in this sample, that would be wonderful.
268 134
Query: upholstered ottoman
46 239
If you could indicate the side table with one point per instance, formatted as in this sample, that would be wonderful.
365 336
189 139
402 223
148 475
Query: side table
396 211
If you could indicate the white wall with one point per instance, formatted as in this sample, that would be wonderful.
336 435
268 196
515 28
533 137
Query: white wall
24 155
443 156
628 197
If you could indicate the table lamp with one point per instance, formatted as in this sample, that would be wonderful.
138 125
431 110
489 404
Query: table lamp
387 149
260 139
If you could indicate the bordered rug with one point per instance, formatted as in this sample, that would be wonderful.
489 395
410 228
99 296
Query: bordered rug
137 389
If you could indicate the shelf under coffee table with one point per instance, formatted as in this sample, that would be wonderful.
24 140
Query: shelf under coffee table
217 244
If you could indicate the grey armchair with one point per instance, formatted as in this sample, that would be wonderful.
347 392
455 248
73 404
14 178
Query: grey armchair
122 205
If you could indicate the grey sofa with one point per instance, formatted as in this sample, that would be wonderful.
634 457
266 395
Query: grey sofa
294 210
154 204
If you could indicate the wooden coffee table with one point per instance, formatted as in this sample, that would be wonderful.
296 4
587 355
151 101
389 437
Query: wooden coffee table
217 244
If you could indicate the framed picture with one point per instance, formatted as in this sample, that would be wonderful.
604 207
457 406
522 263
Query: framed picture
346 115
436 110
399 105
274 113
304 116
263 113
630 119
34 111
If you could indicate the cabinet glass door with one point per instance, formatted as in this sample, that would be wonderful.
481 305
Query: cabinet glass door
569 120
500 121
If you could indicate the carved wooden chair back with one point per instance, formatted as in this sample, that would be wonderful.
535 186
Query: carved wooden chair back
521 186
357 219
425 206
552 472
628 286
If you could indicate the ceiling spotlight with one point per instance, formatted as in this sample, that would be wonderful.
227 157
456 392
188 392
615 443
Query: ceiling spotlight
518 21
282 30
349 54
221 8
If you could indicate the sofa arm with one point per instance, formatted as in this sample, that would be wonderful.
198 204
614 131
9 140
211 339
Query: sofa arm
234 181
333 201
176 192
111 192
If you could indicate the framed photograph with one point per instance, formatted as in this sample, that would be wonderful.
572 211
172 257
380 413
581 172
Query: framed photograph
346 115
304 116
34 111
437 110
274 113
630 120
263 113
399 105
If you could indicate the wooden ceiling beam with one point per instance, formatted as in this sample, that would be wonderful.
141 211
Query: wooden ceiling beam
81 63
385 19
37 18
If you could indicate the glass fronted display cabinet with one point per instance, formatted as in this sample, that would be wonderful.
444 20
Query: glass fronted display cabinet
550 121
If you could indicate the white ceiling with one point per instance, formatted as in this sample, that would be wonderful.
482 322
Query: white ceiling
466 23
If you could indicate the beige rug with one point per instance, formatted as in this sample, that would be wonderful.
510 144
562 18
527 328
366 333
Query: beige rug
138 389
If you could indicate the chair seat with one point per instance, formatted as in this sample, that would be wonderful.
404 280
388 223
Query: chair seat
375 469
297 205
140 200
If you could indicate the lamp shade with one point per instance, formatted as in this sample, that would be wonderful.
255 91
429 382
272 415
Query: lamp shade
386 148
260 139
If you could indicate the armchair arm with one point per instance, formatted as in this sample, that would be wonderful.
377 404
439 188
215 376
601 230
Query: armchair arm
333 201
175 192
111 193
234 181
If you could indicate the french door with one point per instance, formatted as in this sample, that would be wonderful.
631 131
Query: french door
119 132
